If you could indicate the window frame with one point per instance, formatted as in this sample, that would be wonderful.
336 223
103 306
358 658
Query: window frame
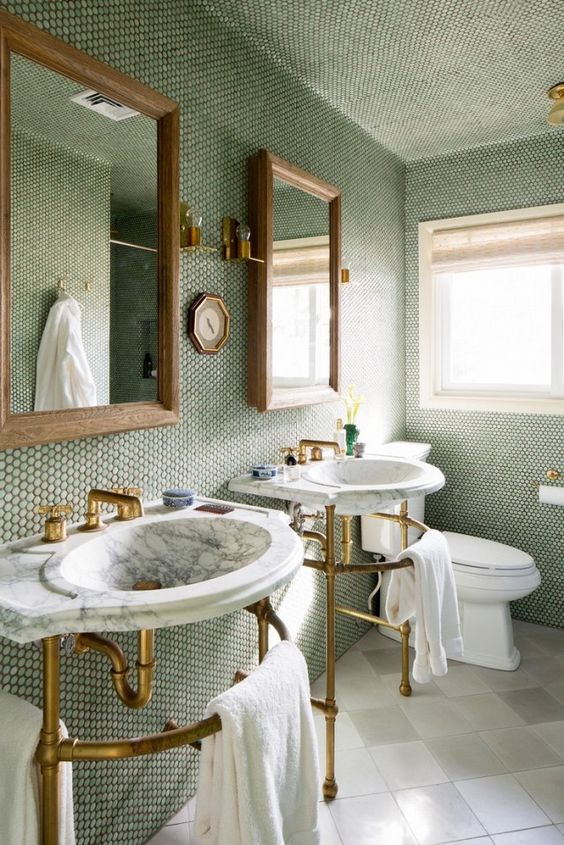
431 320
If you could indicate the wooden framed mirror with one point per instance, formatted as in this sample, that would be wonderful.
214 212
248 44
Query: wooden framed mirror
89 245
295 221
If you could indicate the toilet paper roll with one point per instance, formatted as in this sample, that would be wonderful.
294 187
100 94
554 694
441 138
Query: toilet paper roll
551 495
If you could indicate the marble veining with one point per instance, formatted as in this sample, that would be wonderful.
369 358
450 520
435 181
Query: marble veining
338 488
208 565
173 552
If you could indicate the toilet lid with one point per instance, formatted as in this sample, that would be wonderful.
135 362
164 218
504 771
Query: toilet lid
487 556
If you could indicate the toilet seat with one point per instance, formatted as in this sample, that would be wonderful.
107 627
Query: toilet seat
487 558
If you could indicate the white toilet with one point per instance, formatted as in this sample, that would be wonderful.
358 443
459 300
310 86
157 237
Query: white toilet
488 576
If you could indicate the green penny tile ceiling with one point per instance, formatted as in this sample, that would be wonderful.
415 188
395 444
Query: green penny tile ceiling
490 460
233 101
423 77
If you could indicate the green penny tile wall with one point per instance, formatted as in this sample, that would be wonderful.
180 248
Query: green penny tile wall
490 459
233 101
60 220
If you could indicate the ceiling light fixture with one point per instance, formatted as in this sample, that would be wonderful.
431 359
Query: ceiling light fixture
556 113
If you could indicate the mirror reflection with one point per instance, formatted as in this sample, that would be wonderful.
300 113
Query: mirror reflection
300 288
84 246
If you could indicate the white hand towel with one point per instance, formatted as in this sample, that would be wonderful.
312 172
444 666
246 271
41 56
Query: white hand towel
63 377
20 724
427 591
259 776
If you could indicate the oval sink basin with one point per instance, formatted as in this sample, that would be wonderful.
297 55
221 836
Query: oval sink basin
367 473
171 553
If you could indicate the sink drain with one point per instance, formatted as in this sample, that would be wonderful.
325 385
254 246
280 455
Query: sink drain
147 585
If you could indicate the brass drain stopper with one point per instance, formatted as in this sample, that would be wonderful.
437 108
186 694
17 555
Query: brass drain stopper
147 585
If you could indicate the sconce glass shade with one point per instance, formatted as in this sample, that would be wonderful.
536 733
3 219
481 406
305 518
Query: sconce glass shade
556 114
193 218
243 234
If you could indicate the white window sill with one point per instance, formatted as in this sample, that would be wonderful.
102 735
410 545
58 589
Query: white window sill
495 404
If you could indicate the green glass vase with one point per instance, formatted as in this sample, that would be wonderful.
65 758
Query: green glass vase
352 432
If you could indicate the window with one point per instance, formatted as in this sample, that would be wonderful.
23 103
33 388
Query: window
491 311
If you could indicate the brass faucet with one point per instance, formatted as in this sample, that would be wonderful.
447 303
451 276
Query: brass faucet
317 447
129 506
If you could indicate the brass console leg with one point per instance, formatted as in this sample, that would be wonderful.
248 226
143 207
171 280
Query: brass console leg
405 628
50 737
405 686
263 631
330 785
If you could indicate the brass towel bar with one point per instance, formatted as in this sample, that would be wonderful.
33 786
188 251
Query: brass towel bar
54 749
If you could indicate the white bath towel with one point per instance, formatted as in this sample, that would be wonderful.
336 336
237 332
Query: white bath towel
427 591
259 776
63 376
20 724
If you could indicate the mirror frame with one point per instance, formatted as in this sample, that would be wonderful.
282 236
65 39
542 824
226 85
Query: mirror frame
264 167
17 36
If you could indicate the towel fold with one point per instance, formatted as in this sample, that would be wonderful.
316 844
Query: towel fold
427 591
20 725
63 376
259 776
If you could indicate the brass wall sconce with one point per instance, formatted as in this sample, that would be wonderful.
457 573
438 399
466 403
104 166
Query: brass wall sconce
345 276
191 231
236 241
556 113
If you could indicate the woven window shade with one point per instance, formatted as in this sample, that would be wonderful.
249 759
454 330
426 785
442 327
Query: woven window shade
301 263
519 242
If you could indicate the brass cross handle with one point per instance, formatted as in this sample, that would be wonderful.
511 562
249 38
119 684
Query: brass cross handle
54 511
128 491
55 529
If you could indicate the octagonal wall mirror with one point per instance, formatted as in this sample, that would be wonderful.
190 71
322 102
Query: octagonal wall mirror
89 245
295 221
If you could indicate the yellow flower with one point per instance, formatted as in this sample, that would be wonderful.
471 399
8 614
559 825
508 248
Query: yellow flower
352 402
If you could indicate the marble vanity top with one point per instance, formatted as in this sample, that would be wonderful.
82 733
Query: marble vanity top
208 565
352 495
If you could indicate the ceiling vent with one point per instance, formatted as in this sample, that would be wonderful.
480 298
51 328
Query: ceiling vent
101 104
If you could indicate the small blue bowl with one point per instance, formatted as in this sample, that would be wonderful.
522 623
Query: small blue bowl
178 497
264 471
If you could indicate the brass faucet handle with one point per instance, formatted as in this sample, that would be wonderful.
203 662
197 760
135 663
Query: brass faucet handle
55 528
128 491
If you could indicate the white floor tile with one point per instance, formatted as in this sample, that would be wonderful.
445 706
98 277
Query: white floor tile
552 733
181 817
535 836
488 712
327 827
357 773
543 669
383 726
407 764
360 692
499 681
438 814
520 749
436 718
465 756
547 788
353 662
346 734
461 680
419 692
370 820
177 834
374 639
534 705
501 803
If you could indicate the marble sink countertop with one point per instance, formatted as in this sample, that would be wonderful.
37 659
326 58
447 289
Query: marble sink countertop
349 500
84 583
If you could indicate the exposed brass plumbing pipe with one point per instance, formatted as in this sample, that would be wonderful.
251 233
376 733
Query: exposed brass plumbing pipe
120 670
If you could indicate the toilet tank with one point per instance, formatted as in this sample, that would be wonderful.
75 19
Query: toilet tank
379 536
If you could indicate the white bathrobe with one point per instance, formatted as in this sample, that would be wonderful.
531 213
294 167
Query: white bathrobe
64 379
